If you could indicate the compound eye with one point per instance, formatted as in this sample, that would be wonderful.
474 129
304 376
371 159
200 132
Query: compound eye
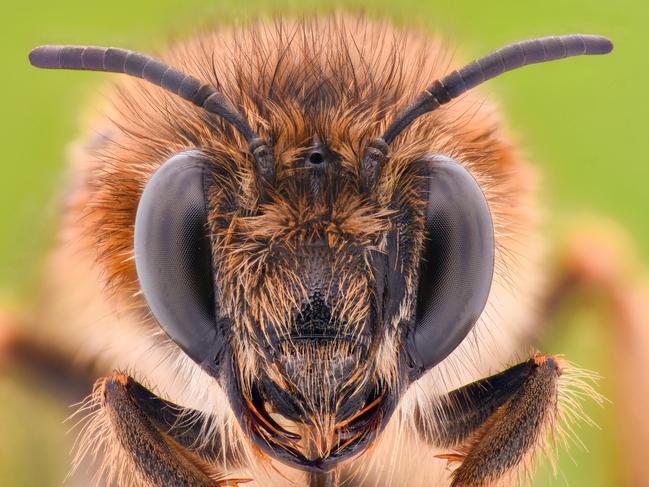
173 257
456 267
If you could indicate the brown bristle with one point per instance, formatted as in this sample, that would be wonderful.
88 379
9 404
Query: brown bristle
336 81
339 79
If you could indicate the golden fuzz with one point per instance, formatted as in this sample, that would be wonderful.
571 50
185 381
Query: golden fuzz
340 80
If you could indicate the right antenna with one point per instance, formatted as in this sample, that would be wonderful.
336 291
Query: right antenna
494 64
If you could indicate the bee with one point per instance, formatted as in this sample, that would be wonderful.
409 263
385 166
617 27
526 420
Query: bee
303 247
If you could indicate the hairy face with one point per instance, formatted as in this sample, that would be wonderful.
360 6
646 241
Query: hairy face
313 277
319 272
299 280
311 317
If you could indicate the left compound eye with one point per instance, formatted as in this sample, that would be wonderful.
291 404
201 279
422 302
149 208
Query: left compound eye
173 257
457 264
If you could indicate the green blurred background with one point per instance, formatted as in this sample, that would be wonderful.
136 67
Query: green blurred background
583 122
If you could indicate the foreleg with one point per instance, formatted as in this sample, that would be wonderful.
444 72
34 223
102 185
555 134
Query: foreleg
143 442
493 426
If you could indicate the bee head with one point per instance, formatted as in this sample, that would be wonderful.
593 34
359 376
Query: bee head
318 306
315 272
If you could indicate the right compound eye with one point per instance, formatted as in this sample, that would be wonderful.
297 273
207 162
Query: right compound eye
457 264
173 257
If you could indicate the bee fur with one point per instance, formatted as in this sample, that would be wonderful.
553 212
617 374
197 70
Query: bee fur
335 81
